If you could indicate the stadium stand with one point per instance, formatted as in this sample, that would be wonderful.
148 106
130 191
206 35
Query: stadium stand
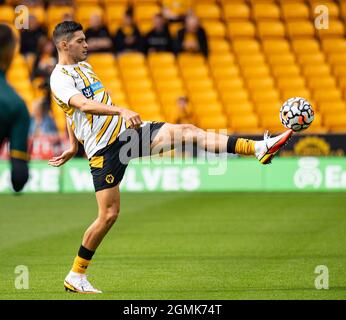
261 53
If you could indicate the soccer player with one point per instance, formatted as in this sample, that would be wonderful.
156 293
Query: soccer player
14 115
104 129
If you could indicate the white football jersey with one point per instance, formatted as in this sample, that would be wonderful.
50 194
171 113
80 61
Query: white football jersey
94 132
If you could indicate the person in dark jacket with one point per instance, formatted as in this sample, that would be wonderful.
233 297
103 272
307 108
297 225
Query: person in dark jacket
192 38
97 35
128 37
159 38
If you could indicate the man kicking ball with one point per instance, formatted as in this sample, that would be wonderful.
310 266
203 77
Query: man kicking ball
109 132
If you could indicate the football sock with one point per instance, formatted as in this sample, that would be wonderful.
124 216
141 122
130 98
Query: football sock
245 147
241 146
82 260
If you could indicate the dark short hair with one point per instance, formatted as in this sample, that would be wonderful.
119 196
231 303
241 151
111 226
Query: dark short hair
6 36
66 29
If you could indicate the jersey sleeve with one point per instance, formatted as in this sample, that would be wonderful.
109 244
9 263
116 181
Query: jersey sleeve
19 133
63 86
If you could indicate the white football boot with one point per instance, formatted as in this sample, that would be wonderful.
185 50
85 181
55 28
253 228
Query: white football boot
266 149
76 282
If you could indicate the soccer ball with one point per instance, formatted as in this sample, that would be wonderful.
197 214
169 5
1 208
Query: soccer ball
297 114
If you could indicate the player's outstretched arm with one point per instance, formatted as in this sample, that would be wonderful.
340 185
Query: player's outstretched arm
96 108
68 154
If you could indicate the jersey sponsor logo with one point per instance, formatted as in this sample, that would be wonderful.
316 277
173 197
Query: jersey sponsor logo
92 90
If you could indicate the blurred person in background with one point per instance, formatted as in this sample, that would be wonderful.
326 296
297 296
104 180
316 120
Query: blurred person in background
159 38
30 38
42 123
175 10
192 38
45 60
128 37
184 114
14 115
97 35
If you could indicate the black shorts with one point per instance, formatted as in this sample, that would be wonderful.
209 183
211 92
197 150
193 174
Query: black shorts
108 165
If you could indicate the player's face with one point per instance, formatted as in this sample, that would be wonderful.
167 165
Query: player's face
78 47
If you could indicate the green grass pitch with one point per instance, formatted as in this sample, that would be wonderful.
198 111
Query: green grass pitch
179 246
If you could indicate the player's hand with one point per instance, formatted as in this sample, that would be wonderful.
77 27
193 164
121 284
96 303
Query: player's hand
62 159
132 118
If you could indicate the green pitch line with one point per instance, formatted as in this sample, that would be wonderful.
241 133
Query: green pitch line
179 246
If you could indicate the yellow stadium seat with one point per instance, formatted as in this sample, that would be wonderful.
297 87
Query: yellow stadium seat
331 94
241 29
101 59
230 84
264 96
295 11
199 86
256 71
55 14
286 70
303 28
165 73
241 46
335 122
334 45
259 84
202 110
132 73
266 11
332 107
289 93
316 70
335 28
213 122
131 60
314 58
244 123
115 12
270 107
188 59
337 58
235 97
7 14
291 83
269 29
219 46
254 59
236 11
83 13
275 46
271 123
322 83
203 97
214 29
221 60
146 11
286 58
207 11
305 45
139 86
160 59
238 110
193 73
168 85
225 73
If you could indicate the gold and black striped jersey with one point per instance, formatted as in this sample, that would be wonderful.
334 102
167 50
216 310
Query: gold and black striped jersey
95 132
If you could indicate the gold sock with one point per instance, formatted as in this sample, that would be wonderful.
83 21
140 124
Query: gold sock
80 265
245 147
